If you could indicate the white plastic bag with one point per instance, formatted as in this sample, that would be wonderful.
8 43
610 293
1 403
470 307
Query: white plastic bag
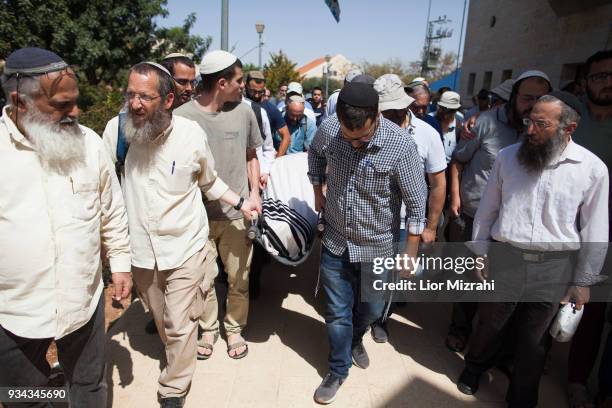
566 322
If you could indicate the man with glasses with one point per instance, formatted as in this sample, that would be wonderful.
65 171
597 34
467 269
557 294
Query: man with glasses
419 91
183 71
542 224
168 167
370 168
470 169
255 89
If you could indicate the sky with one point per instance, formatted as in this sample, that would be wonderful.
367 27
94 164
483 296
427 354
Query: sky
369 30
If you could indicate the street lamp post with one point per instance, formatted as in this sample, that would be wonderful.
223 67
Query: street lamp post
224 23
259 27
326 72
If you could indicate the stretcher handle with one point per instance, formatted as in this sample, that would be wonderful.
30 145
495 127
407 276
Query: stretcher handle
253 231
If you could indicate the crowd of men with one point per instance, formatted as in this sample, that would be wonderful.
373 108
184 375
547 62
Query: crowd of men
167 193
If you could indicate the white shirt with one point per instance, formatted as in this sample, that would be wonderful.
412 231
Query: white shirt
52 228
558 210
266 152
449 138
167 219
429 146
330 106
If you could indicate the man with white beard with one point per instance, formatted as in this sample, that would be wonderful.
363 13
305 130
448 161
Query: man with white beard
168 166
61 204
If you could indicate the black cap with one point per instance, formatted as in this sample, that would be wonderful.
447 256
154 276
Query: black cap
359 94
568 99
483 94
33 61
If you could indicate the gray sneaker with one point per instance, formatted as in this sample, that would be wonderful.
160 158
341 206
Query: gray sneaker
360 356
326 392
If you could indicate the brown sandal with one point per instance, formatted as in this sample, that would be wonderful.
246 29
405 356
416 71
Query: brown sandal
207 346
235 346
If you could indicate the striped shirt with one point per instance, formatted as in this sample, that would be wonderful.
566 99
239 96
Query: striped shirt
365 189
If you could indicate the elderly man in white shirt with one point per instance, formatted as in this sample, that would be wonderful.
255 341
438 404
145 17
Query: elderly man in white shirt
546 204
167 166
61 207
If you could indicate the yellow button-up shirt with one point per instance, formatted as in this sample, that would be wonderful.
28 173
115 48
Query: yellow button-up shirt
52 228
163 179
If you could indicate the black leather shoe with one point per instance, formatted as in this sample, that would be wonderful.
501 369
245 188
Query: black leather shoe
360 356
172 402
468 383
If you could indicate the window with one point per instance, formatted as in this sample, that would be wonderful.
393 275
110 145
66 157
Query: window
486 82
506 74
471 82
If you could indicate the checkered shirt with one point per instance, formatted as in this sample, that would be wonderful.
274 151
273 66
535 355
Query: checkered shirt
365 188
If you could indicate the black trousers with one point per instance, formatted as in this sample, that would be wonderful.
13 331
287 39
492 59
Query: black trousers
536 305
81 355
460 230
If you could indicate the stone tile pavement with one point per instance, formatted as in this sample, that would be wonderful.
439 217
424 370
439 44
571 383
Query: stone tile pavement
288 351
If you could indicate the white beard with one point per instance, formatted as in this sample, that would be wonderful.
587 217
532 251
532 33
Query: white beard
60 145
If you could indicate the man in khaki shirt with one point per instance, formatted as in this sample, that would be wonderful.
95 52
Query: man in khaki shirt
167 166
233 134
60 205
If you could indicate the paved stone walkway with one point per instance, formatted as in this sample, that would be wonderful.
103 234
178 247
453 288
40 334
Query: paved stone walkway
288 352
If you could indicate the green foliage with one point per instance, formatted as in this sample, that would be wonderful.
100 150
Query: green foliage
101 38
178 39
98 105
280 70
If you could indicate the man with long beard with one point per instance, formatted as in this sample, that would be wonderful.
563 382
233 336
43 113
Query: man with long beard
61 205
546 206
168 166
470 169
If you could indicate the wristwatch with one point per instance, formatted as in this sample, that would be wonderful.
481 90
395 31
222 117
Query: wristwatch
239 205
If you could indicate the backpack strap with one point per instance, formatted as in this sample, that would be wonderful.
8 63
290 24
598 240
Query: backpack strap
257 111
304 125
122 145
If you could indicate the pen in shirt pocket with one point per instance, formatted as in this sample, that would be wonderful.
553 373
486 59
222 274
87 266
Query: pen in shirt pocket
173 164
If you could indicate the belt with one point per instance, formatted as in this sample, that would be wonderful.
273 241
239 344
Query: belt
541 256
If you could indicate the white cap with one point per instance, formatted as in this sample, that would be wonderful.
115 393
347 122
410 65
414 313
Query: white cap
450 100
391 94
352 74
295 88
504 89
533 73
216 61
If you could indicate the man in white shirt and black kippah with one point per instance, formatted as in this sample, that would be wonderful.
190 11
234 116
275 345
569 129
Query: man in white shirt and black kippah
61 208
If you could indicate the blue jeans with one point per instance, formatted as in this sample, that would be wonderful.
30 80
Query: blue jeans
347 318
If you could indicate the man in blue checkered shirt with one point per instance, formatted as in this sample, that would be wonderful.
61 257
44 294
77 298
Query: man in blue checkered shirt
370 167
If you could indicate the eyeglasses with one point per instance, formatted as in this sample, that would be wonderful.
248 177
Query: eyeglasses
141 98
600 76
365 138
254 92
539 123
185 82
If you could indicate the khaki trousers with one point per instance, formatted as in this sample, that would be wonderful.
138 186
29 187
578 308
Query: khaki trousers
236 251
176 298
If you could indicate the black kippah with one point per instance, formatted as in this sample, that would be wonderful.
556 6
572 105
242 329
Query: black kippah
568 99
33 61
359 94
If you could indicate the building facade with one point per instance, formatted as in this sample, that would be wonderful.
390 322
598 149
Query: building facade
505 38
